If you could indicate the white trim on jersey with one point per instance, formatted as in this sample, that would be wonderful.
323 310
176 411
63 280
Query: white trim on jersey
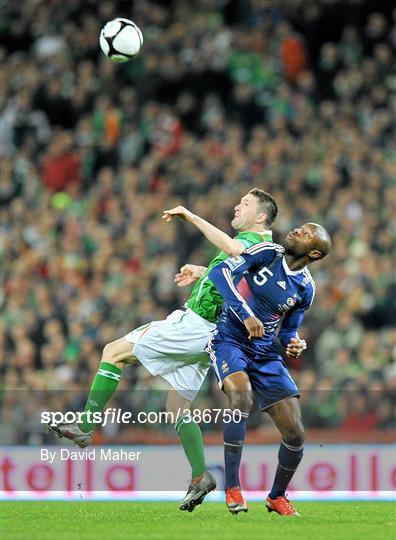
236 314
213 358
263 246
291 272
227 275
307 274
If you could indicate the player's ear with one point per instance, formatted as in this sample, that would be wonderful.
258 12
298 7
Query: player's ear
261 218
315 254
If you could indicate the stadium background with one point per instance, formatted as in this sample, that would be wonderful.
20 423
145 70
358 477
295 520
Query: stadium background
297 98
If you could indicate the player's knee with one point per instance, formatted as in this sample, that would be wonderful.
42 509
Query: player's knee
119 353
108 353
294 436
241 401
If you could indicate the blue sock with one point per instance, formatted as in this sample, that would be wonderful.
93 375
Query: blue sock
234 437
289 458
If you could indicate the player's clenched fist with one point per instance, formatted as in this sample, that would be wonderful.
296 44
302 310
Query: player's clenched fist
254 327
295 347
178 211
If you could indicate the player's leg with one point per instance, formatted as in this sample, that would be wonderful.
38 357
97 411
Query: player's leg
191 438
180 342
115 356
189 432
286 415
172 348
175 350
239 392
277 393
230 365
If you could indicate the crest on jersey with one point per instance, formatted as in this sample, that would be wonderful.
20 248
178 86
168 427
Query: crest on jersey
290 302
224 367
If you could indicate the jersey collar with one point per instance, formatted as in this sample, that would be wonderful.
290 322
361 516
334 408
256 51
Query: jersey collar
291 272
265 231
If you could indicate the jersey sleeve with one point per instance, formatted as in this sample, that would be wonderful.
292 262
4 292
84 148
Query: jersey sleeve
222 275
293 319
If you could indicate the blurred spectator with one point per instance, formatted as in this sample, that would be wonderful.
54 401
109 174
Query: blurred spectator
61 165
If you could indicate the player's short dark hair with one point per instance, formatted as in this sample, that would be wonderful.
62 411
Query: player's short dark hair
267 203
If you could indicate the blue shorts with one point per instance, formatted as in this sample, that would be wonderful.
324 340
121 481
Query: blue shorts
270 379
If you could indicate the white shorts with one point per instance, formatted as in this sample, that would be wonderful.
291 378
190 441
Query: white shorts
175 350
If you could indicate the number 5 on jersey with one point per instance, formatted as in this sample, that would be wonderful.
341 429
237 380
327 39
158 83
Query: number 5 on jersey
262 273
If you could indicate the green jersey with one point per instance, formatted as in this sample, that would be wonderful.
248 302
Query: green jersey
205 300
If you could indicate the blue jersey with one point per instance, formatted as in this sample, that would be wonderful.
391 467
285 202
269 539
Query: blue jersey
260 283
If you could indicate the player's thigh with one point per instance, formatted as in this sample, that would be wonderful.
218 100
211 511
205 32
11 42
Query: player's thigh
230 364
237 382
271 383
287 417
182 335
228 358
120 352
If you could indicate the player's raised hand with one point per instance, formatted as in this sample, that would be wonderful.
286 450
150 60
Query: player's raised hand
295 347
178 211
189 273
254 327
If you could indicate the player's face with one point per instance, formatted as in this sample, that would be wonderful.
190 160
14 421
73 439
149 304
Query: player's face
246 213
302 240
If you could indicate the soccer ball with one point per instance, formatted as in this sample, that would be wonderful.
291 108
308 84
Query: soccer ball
121 40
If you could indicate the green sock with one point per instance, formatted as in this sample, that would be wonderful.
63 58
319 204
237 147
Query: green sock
191 438
103 387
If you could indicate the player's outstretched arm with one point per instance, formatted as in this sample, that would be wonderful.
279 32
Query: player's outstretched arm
222 279
221 276
218 238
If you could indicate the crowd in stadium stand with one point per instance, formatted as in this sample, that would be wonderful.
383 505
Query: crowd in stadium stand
297 98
